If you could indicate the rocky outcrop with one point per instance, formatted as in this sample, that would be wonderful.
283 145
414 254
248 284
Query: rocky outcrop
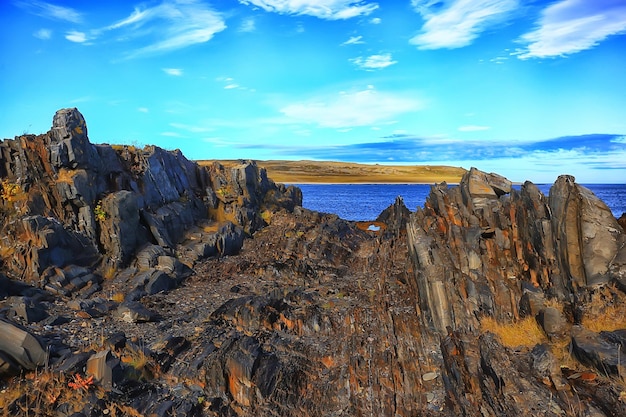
67 201
210 292
476 248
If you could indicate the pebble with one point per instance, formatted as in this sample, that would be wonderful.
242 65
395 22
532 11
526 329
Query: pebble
429 376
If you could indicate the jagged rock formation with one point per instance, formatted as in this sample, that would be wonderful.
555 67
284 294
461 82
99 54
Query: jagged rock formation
69 202
311 315
474 245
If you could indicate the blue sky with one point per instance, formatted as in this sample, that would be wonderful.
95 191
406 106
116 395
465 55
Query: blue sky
527 89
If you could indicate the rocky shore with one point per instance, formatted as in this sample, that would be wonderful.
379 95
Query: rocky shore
134 282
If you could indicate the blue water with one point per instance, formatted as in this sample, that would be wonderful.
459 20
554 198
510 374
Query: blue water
367 201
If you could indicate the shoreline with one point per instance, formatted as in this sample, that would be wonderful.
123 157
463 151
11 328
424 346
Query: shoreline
367 183
333 172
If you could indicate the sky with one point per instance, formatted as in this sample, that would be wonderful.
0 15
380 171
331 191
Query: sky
528 89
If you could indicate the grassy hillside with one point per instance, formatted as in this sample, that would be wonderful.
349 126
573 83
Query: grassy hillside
301 172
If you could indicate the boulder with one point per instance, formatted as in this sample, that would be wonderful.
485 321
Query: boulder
552 322
19 349
27 309
134 312
604 351
105 368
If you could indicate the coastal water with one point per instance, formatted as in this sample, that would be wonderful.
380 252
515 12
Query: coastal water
366 201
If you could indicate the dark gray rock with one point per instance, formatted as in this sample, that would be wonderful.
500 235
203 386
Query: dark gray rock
543 361
158 282
19 349
120 229
27 309
148 257
602 351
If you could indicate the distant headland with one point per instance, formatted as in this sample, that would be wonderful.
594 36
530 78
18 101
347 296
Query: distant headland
318 172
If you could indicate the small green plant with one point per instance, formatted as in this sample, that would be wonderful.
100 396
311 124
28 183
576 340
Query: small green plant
99 212
10 191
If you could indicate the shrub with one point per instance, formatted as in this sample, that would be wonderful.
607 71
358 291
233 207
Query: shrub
99 212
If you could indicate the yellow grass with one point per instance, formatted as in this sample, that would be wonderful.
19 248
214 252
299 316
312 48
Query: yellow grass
301 172
525 332
608 319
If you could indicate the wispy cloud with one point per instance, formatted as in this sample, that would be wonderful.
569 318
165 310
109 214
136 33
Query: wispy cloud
373 62
457 23
247 25
571 26
376 21
143 110
472 128
402 148
176 72
169 26
76 36
351 109
50 11
229 83
354 40
323 9
43 34
172 134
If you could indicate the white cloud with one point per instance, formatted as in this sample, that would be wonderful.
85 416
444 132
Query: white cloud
458 23
473 128
354 40
345 110
571 26
231 84
170 26
248 25
373 62
621 139
76 36
176 72
171 134
51 11
143 110
323 9
376 21
43 34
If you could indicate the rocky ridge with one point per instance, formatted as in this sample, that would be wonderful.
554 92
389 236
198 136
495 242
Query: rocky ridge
134 282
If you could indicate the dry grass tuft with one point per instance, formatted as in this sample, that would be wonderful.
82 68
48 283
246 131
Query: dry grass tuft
525 332
610 318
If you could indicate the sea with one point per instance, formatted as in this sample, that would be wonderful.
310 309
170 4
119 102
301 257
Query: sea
364 202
